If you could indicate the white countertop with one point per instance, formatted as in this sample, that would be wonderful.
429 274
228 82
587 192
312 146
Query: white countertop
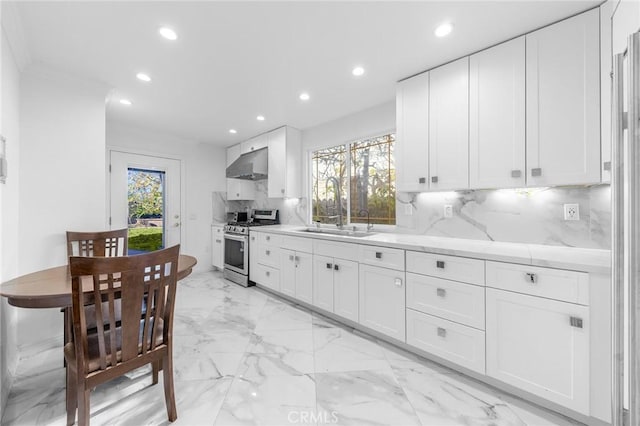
577 259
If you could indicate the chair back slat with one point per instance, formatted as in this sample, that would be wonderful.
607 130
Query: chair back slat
106 243
134 282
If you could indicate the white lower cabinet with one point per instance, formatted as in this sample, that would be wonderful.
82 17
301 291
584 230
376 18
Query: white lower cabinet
267 276
335 286
296 274
382 300
446 339
217 246
539 345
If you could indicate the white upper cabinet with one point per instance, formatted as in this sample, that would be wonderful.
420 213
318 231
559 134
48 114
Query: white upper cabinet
449 126
285 160
497 116
412 134
238 189
563 102
254 144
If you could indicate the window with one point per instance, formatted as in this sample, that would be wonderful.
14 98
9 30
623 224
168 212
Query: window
354 180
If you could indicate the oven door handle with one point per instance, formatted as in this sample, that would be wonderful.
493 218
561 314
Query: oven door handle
241 238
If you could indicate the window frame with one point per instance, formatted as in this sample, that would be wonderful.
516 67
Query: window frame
309 177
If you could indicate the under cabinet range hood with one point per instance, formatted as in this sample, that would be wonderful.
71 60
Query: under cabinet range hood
250 166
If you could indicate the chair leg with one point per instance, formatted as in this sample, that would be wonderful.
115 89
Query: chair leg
83 405
155 368
71 395
169 394
68 329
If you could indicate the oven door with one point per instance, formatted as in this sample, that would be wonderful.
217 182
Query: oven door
236 253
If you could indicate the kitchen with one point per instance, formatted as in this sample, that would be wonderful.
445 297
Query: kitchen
53 96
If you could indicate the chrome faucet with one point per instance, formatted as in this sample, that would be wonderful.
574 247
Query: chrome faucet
338 198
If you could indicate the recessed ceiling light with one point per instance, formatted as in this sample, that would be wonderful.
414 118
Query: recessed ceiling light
144 77
443 29
260 118
168 33
304 96
233 131
358 71
125 102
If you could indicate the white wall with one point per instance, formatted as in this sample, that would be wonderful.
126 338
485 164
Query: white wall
9 128
203 167
62 179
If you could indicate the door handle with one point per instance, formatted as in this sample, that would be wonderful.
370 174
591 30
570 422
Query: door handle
442 332
441 292
329 266
440 264
378 255
531 277
336 267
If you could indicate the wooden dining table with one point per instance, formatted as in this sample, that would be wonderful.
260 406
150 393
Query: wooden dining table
51 288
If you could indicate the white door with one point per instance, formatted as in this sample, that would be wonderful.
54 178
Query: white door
304 276
323 282
412 134
497 116
345 289
539 345
120 164
449 126
563 102
382 300
288 272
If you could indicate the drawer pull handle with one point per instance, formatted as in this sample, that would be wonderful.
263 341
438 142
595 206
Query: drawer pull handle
290 257
434 179
441 292
378 255
516 173
336 267
218 241
575 322
329 266
606 165
398 282
440 264
422 180
267 238
296 258
267 252
536 171
531 277
253 238
442 332
268 273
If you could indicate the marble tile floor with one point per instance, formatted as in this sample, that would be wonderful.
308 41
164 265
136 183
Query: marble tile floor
245 357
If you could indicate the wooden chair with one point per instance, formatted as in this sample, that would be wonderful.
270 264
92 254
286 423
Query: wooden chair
103 243
94 357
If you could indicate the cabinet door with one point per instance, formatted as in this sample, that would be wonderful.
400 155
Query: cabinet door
240 189
497 116
233 152
323 282
255 143
412 134
563 102
217 246
304 276
345 289
276 182
382 300
449 126
288 272
539 345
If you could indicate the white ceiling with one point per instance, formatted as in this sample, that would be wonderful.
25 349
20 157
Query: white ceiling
235 60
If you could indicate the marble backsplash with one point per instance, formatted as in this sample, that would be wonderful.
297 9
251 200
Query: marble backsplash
534 216
293 211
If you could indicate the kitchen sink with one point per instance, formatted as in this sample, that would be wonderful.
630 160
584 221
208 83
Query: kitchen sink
340 232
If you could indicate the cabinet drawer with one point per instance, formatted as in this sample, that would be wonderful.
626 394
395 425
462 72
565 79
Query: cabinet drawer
335 250
463 303
269 255
449 267
558 284
449 340
269 239
268 277
297 244
383 257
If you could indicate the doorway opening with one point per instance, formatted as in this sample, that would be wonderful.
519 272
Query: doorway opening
146 210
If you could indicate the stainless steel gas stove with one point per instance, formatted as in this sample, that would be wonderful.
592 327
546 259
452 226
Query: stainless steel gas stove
236 242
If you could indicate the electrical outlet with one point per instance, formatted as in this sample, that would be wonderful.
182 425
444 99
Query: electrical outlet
408 209
448 210
572 212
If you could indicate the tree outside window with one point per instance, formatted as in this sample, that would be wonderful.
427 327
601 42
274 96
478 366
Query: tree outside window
366 172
